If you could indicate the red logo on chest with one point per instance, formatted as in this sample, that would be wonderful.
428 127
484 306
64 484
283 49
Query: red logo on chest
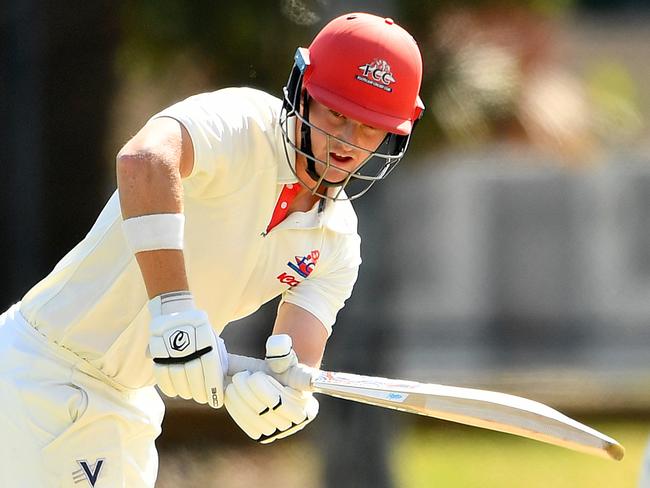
303 267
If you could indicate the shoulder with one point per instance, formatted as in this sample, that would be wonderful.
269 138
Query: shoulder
232 95
251 98
235 117
231 105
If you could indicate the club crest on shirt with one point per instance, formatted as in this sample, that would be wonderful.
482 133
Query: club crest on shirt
302 267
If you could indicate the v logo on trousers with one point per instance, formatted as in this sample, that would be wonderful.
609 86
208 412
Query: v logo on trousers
88 472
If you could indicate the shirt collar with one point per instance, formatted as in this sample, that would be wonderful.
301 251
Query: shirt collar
339 216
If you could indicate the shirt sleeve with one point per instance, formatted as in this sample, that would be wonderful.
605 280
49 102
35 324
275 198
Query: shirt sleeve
324 293
223 125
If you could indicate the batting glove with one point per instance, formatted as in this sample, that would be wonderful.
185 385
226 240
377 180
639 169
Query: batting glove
190 360
261 406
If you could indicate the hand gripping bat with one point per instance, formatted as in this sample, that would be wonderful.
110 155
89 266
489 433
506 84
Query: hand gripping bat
480 408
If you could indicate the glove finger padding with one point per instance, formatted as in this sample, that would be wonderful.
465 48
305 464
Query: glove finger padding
194 376
178 375
286 402
240 382
311 410
294 408
246 415
262 393
164 380
266 388
265 409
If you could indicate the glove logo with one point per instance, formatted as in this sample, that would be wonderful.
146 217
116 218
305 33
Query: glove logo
179 340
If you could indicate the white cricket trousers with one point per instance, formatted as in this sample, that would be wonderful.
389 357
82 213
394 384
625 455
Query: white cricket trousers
62 426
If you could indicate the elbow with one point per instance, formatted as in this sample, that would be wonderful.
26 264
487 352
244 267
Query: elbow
132 165
128 159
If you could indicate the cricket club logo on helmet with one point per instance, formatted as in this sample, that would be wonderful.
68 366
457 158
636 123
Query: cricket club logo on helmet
377 74
366 68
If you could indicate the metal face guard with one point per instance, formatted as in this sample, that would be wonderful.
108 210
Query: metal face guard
376 166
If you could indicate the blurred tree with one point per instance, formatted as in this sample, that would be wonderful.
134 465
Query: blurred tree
234 43
491 67
57 84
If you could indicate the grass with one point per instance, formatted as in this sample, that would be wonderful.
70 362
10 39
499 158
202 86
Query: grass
427 454
451 456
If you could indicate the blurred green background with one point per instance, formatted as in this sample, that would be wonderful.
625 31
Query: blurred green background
511 250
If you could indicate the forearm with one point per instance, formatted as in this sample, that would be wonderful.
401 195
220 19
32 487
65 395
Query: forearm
308 334
149 183
162 271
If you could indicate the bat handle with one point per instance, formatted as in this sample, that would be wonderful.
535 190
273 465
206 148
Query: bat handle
299 377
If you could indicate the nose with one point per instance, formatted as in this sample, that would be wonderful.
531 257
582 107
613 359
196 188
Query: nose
349 135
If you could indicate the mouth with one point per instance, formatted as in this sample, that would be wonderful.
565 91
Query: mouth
340 158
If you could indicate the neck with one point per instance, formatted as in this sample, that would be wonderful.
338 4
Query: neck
305 197
304 201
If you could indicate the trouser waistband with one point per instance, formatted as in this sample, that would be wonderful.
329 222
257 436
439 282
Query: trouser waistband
13 316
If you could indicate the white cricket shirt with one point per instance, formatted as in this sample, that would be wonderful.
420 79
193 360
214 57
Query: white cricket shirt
94 301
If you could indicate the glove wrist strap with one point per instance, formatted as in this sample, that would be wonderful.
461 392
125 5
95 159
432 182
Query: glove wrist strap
171 302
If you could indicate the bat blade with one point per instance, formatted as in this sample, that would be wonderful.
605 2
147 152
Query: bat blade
480 408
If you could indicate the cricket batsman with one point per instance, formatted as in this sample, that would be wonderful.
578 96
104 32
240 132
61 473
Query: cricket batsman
225 200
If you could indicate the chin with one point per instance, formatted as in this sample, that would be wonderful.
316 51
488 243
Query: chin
332 175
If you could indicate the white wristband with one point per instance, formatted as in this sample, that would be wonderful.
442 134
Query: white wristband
151 232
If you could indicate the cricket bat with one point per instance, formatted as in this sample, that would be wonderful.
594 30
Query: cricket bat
480 408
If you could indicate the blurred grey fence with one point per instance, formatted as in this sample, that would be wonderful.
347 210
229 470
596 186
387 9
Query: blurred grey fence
526 277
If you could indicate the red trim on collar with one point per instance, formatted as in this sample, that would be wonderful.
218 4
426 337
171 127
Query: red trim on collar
287 195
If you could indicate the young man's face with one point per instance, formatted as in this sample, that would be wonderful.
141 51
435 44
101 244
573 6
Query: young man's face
343 158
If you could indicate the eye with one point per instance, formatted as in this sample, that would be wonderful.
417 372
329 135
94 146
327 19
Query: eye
336 114
371 130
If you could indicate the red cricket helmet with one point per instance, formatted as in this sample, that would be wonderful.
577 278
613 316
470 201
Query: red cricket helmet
369 69
376 83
